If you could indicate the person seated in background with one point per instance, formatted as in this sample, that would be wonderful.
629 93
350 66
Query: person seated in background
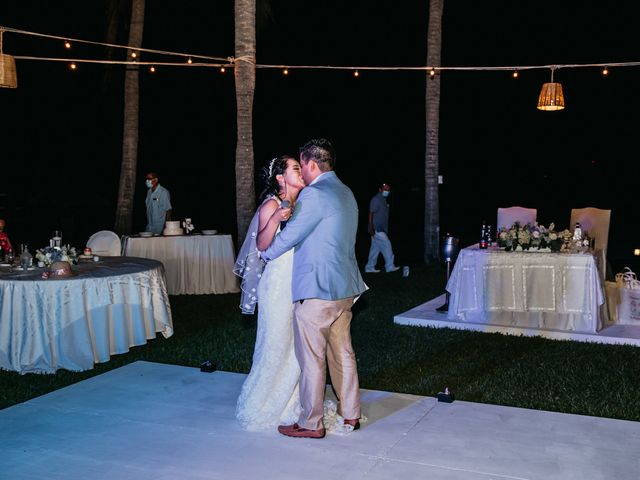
5 243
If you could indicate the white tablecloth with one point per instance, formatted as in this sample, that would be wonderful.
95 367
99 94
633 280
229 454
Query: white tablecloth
75 322
560 291
194 264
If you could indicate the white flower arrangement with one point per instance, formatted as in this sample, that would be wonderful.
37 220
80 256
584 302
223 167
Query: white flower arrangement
536 236
49 255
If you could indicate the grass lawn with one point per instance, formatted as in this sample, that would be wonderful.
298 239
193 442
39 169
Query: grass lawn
563 376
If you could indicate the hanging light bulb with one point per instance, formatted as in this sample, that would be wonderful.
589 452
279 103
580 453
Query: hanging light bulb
285 71
73 66
515 74
152 69
551 97
67 44
356 73
432 73
605 71
222 70
189 61
134 56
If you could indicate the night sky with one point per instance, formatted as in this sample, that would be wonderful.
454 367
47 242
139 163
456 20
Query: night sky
61 131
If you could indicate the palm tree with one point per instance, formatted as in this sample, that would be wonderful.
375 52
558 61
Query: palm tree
124 209
431 201
245 79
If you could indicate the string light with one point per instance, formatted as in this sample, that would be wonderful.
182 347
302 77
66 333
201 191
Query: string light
73 65
189 61
222 70
67 44
152 69
134 55
605 71
285 71
515 74
356 73
432 72
112 45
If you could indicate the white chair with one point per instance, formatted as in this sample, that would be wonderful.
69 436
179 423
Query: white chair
595 222
511 215
105 243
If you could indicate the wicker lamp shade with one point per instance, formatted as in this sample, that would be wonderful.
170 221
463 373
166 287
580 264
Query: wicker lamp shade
8 76
551 97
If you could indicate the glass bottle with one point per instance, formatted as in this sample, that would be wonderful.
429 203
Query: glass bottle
483 236
26 259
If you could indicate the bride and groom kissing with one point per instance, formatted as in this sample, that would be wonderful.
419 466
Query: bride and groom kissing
305 292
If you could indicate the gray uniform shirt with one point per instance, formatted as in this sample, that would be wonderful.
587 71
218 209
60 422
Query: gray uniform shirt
380 209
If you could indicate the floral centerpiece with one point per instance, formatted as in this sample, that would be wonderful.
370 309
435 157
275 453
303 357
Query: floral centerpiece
49 255
532 237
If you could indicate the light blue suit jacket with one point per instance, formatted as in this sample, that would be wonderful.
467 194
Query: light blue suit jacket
322 230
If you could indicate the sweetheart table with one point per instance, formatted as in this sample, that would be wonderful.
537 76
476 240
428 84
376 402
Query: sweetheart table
74 322
545 290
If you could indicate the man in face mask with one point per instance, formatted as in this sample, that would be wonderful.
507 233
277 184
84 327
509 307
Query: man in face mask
158 204
379 231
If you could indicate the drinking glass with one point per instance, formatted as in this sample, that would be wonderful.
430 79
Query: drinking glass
57 238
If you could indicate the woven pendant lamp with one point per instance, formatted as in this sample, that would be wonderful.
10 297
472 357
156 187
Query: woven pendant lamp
8 75
551 97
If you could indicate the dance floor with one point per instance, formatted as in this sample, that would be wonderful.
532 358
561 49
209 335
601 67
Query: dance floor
156 421
425 315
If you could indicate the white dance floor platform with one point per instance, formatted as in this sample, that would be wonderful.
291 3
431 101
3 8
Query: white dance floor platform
155 421
425 315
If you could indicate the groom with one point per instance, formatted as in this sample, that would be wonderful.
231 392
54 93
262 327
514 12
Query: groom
326 282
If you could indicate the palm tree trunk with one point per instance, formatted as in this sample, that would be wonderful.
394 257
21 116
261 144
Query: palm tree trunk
245 78
431 200
124 210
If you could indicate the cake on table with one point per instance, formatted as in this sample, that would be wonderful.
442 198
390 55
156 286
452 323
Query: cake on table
172 228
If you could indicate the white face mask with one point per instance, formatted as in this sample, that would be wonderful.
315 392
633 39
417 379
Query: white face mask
149 183
385 193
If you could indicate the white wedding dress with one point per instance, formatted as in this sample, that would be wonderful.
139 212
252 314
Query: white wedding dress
269 395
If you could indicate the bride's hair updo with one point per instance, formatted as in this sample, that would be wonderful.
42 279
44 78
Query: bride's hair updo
275 167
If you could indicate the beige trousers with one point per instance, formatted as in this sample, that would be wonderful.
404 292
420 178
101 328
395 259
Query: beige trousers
322 334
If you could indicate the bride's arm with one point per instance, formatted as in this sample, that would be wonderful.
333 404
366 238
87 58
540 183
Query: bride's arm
268 224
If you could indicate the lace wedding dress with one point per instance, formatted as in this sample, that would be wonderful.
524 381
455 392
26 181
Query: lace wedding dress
269 396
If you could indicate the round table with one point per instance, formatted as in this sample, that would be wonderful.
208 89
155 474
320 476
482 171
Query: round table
74 322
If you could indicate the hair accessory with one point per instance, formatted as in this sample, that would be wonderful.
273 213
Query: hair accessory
273 161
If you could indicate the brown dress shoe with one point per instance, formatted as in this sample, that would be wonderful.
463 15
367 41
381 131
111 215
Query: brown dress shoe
354 423
297 431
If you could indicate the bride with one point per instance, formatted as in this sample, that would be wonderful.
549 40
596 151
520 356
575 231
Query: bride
269 396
